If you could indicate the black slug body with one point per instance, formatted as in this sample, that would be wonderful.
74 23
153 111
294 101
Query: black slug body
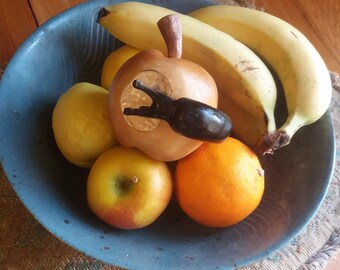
200 121
186 116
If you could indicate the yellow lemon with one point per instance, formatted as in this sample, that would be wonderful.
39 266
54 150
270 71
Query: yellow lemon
81 124
113 63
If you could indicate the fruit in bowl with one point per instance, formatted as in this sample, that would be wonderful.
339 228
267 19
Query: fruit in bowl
153 101
184 101
146 90
38 175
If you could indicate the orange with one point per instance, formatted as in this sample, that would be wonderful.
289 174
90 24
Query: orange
219 185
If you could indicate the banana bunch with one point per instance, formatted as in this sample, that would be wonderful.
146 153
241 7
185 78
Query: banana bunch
304 76
226 40
247 90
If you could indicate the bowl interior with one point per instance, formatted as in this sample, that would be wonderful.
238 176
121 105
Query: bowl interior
71 48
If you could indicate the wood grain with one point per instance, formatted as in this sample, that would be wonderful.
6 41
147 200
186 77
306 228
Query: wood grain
324 18
17 23
44 10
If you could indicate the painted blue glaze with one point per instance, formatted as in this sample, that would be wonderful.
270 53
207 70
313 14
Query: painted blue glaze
71 48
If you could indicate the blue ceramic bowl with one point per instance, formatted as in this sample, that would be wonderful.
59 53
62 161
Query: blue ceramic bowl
71 48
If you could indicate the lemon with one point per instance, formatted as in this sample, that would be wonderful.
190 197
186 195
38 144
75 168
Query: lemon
81 124
113 63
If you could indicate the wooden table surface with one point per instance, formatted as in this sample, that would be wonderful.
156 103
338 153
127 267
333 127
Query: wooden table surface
319 20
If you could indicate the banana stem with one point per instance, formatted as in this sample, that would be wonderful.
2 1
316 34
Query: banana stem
171 31
270 142
102 13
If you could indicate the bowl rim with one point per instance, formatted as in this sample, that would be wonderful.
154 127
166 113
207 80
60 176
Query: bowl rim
34 37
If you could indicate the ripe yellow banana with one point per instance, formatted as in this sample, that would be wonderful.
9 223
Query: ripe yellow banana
243 80
303 73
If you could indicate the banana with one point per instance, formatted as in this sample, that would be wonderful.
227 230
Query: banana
243 80
300 68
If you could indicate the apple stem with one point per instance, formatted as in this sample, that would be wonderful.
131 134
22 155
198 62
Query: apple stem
126 183
171 31
134 179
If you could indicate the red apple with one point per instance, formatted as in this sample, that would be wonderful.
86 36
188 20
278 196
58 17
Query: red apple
127 189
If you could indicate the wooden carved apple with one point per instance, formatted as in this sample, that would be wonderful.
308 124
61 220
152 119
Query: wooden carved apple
166 106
